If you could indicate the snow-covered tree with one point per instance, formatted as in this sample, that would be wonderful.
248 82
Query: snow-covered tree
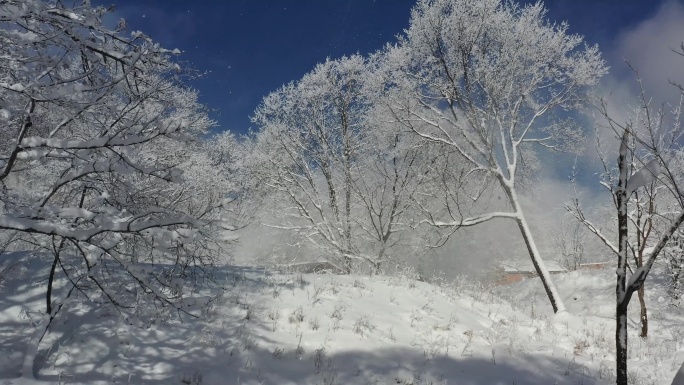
93 127
338 172
568 239
644 205
305 151
674 263
645 185
395 168
489 80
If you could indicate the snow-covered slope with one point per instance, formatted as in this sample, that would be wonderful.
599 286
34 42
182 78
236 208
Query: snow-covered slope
280 328
590 299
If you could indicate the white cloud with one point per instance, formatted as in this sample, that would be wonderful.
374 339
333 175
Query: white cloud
648 47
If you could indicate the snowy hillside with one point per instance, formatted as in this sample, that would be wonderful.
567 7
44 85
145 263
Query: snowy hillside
133 217
590 298
289 328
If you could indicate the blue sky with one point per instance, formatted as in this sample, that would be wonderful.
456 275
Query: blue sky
248 48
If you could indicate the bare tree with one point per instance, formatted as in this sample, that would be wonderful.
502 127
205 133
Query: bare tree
674 258
646 172
310 135
568 239
484 78
340 173
396 167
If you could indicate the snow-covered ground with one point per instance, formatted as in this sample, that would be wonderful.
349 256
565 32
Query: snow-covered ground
290 328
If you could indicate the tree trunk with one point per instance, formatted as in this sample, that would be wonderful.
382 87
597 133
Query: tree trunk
621 345
51 280
347 264
32 347
644 313
37 336
378 262
537 262
621 298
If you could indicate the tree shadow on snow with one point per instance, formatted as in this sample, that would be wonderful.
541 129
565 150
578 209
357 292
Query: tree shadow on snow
91 345
396 366
22 300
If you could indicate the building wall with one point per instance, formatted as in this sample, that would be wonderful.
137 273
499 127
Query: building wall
517 276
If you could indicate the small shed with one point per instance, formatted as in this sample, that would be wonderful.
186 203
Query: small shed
594 265
515 271
319 267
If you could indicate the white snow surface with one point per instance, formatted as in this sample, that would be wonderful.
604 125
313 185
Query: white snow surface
272 327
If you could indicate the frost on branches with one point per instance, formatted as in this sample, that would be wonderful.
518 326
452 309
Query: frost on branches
645 185
484 79
339 174
674 264
94 123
